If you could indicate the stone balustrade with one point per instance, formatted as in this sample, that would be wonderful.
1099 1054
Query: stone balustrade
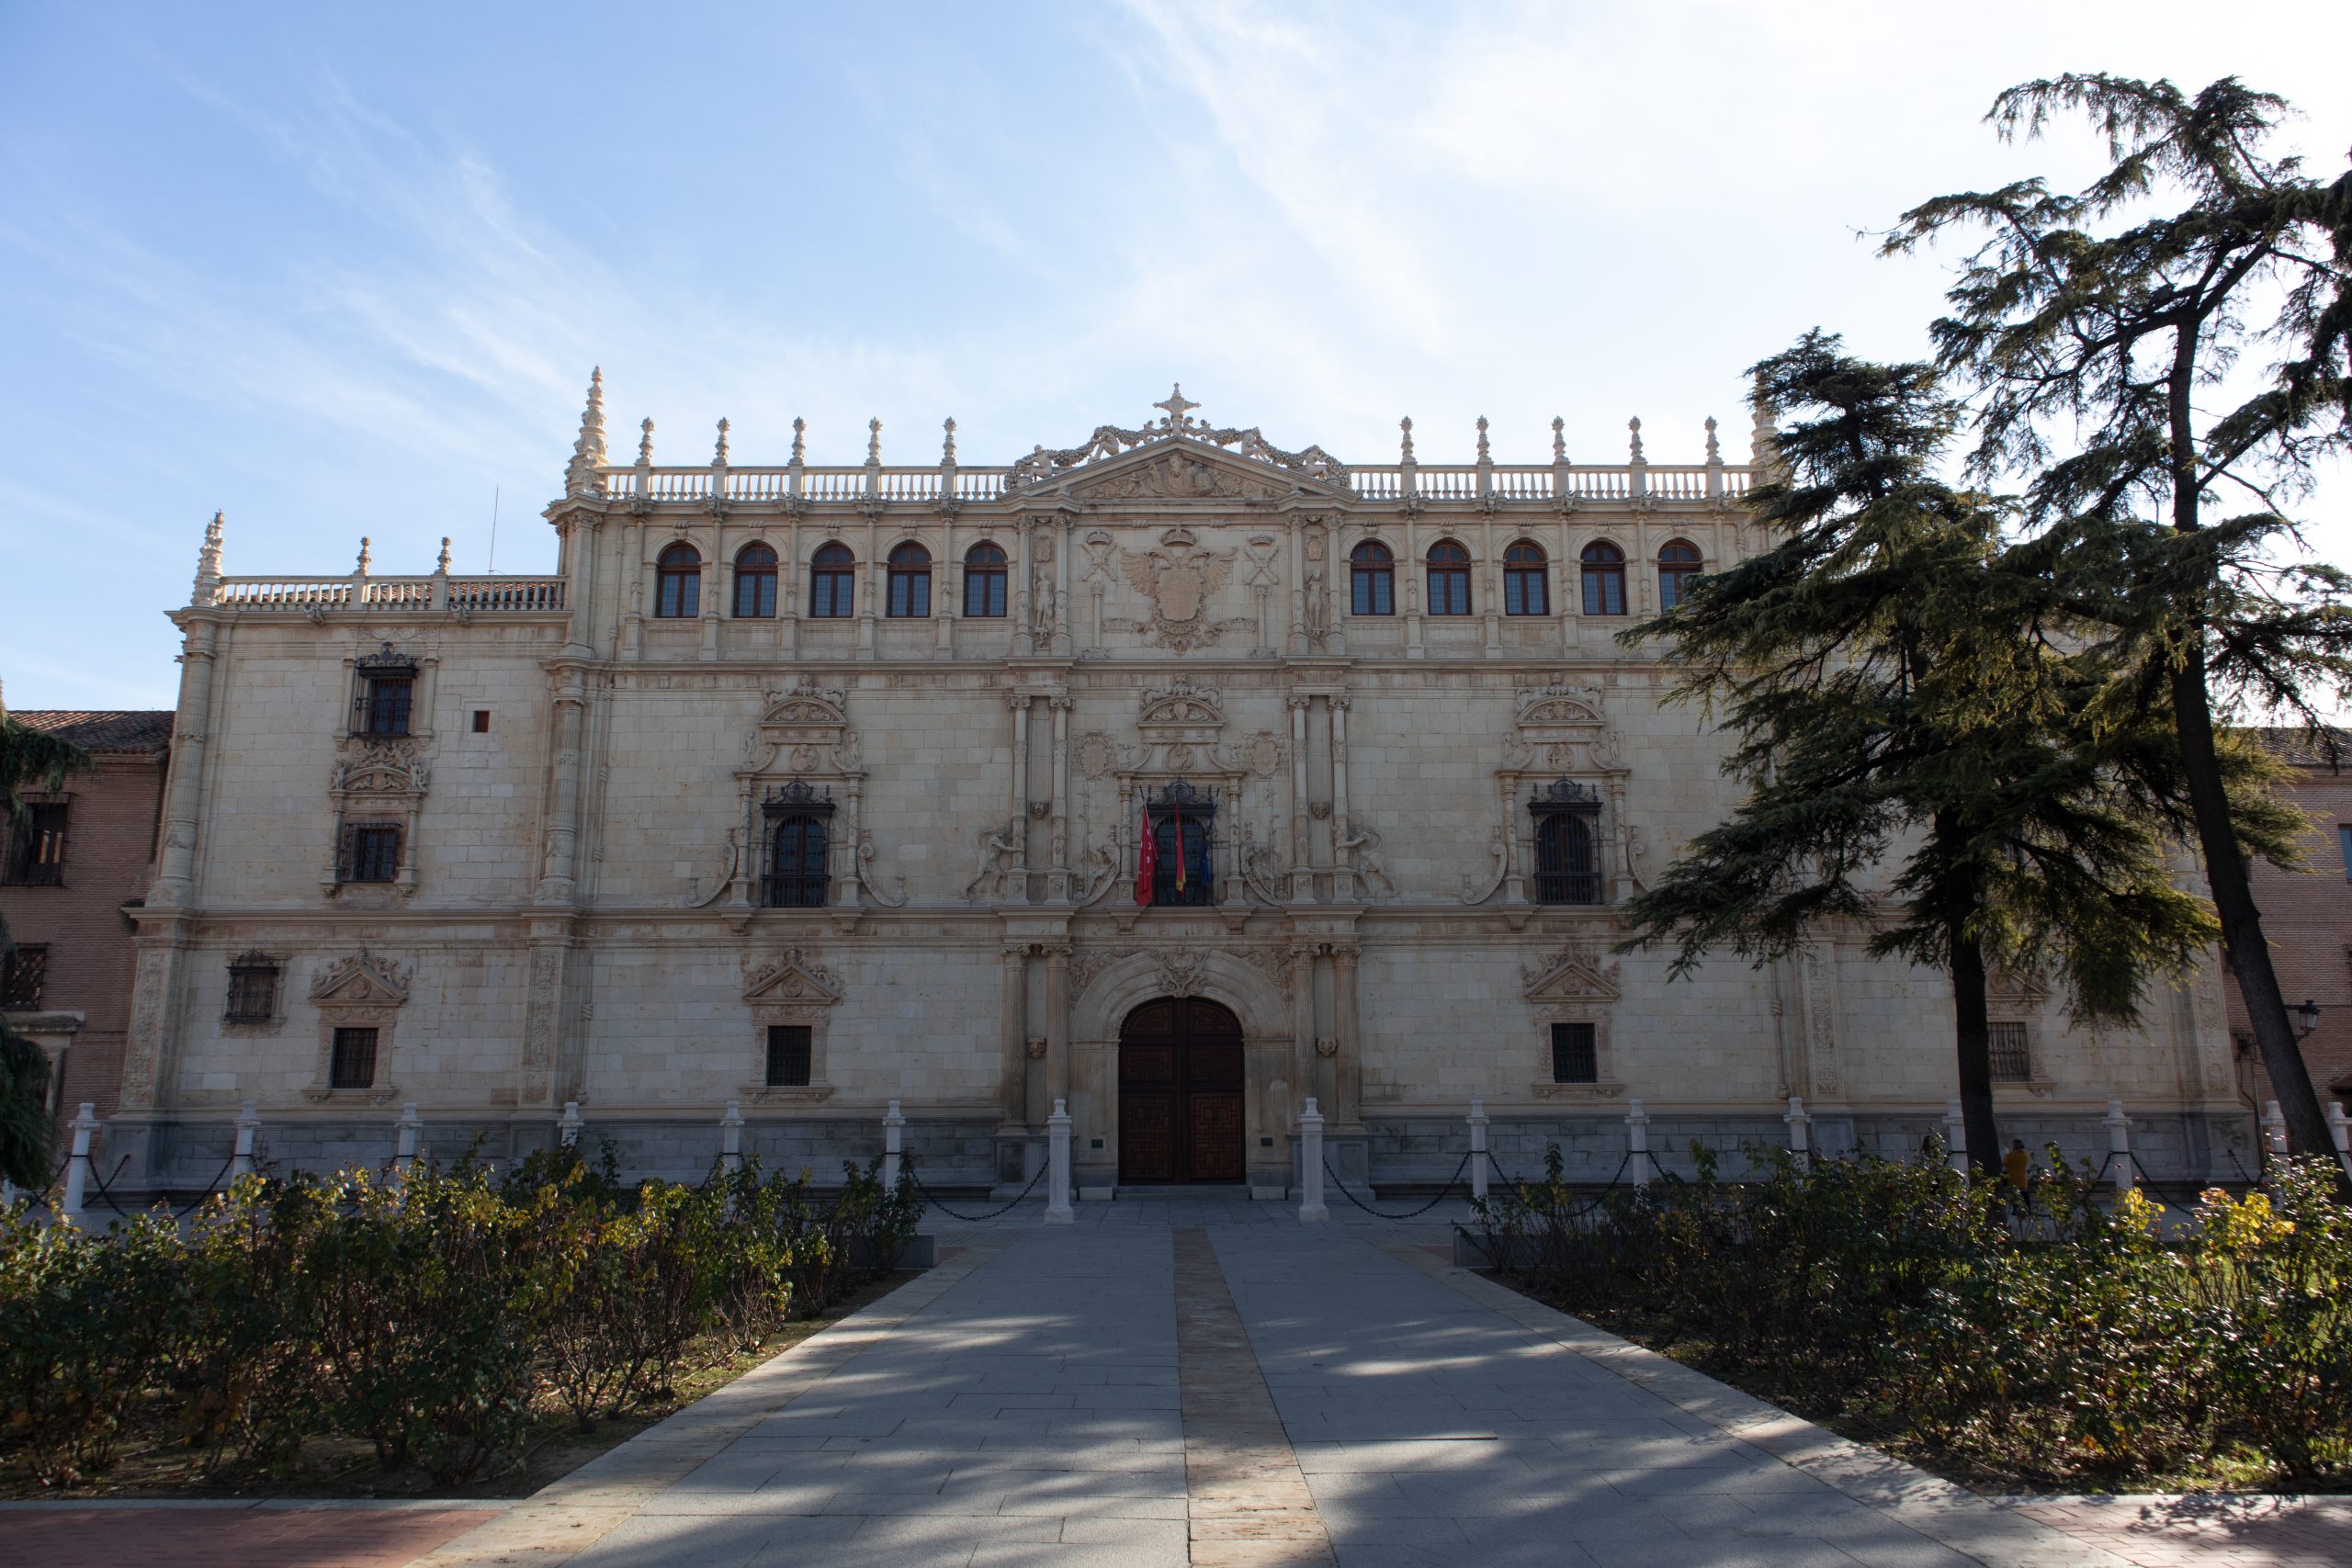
434 591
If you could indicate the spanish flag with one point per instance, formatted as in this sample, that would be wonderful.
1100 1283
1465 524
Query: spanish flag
1147 862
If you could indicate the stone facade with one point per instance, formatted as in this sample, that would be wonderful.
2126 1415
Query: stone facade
589 903
2307 916
64 900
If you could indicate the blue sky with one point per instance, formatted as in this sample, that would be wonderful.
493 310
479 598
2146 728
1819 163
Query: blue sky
344 271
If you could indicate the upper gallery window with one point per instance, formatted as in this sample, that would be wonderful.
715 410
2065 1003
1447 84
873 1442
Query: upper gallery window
1372 579
984 582
1526 580
678 576
1449 566
1604 578
910 569
1677 563
755 583
387 693
832 582
36 856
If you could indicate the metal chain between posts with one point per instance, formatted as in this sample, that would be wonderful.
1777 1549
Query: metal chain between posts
209 1188
1412 1215
928 1197
106 1192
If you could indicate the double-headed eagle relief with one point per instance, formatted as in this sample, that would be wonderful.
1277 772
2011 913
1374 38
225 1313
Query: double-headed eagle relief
1180 579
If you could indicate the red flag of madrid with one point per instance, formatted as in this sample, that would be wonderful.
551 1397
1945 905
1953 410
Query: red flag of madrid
1147 862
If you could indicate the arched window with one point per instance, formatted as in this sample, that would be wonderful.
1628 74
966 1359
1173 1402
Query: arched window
1449 579
1677 563
677 577
910 581
796 861
1371 578
984 582
832 582
1526 580
1604 578
755 584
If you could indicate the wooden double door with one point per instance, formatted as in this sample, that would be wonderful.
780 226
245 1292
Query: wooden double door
1179 1093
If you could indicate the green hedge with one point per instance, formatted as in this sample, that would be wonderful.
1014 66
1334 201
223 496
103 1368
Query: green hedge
2047 1334
427 1316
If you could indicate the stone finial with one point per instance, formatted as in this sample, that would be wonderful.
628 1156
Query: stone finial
947 445
442 565
1559 439
800 441
645 445
208 557
588 451
718 453
1483 454
1405 447
361 569
1634 425
1180 408
1715 447
873 443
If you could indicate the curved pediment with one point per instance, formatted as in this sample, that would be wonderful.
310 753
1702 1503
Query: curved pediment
806 707
1183 707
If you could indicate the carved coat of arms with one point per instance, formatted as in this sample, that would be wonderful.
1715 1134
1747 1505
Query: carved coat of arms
1179 580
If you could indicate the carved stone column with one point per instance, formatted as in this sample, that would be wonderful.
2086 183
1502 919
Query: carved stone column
1015 1068
946 582
714 572
1062 617
1302 857
1020 702
1297 590
634 639
787 588
1057 878
1344 878
1131 851
873 586
176 874
1410 568
1023 643
559 851
1494 594
1308 1075
1347 1068
1235 891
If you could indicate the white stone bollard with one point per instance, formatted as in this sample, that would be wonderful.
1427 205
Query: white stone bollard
1057 1209
1800 1122
2119 1145
567 1126
248 1128
894 1146
731 1138
1956 1136
2340 1131
1310 1165
408 1130
1637 1143
1478 1148
77 1166
2274 1129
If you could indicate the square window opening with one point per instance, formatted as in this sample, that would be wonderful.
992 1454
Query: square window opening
482 721
2012 1059
1575 1052
791 1051
353 1064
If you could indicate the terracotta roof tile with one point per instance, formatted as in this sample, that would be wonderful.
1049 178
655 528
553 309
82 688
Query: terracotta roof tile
142 729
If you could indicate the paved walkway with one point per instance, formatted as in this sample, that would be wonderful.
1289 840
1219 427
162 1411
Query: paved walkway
1206 1381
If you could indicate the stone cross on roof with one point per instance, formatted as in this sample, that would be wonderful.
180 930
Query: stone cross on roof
1179 407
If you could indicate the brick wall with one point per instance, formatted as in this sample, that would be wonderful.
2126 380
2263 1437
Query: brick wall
2308 918
110 835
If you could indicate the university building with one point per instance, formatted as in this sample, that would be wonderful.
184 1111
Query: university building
1174 775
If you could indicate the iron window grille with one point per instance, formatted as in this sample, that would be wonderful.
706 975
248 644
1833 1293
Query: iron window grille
984 571
1372 579
1183 831
791 1054
370 851
352 1064
2012 1056
797 814
755 584
1575 1052
253 989
1568 842
23 975
37 847
387 691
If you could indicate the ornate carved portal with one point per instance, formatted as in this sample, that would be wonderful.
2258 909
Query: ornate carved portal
1181 1093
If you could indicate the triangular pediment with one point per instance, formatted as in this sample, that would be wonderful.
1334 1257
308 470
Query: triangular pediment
361 980
1181 469
793 979
1571 980
2019 990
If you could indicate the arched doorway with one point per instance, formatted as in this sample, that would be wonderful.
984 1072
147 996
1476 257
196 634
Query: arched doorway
1180 1092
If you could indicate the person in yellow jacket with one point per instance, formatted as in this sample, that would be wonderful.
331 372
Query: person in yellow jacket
2016 1165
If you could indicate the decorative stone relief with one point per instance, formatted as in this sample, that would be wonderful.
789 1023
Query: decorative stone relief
1179 580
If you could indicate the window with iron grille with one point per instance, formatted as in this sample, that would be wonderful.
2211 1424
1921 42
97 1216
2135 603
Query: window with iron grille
37 847
370 851
253 990
384 703
790 1051
1575 1052
353 1064
22 975
1183 831
795 870
1568 842
2012 1059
